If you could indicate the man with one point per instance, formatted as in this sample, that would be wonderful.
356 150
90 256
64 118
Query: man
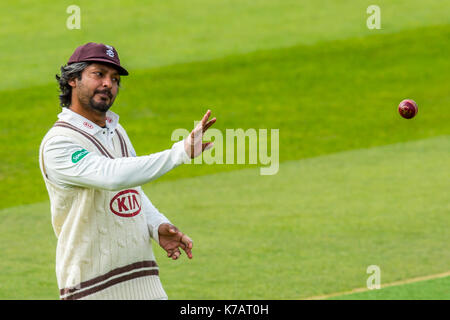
100 215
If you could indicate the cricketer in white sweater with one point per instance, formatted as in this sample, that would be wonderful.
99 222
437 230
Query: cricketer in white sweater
101 216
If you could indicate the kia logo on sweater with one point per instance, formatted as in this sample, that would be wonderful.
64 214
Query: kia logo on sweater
126 203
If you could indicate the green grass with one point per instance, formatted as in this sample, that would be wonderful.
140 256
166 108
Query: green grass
310 230
358 185
306 91
35 40
28 249
435 289
314 227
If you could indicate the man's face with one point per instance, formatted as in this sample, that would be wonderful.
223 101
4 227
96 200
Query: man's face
98 87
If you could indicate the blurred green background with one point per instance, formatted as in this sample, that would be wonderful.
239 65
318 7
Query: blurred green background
358 185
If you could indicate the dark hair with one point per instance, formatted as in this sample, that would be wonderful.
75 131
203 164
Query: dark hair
69 72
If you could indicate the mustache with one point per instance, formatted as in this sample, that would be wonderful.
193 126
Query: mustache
106 91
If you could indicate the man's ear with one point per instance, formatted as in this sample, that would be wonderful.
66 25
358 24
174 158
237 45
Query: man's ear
72 82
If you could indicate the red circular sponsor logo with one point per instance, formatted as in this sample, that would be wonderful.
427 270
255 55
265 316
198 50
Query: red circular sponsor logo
126 203
109 119
88 125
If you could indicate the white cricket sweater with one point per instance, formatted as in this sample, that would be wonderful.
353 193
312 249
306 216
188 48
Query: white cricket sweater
104 249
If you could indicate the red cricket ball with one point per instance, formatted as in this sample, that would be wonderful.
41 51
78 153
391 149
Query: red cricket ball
408 108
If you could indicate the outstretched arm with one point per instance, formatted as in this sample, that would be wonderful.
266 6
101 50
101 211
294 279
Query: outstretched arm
92 170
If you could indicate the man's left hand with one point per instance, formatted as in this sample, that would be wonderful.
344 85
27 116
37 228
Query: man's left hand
171 239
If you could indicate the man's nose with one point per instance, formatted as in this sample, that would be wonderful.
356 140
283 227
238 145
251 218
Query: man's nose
107 83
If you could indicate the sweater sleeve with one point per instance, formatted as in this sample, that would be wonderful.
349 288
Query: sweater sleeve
68 164
153 216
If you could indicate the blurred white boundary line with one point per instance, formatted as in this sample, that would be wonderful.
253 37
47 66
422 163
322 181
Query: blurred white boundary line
396 283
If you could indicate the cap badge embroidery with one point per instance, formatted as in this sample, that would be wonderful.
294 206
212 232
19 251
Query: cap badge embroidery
110 51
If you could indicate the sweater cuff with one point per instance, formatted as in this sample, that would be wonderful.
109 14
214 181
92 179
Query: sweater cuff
180 154
154 229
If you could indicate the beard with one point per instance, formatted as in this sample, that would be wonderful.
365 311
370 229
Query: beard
104 104
101 105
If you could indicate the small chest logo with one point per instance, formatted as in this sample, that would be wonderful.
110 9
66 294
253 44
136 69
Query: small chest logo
126 203
88 125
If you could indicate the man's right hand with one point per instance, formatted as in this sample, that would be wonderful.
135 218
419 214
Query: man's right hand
193 144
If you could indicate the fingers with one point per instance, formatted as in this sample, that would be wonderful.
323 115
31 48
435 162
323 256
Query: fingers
187 245
173 250
174 254
209 124
173 229
204 124
205 117
186 242
167 229
193 145
207 146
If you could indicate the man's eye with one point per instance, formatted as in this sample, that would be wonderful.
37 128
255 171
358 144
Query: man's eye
98 73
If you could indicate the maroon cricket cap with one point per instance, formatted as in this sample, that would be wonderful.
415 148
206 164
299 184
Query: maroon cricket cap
98 52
